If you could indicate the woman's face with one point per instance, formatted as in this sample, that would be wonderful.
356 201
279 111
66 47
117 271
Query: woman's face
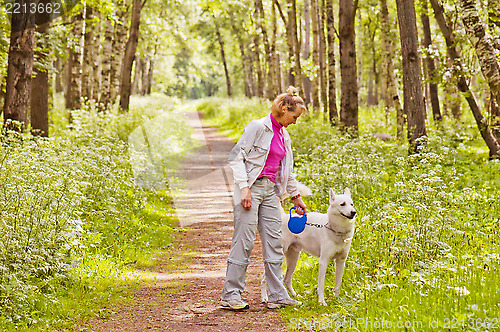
290 117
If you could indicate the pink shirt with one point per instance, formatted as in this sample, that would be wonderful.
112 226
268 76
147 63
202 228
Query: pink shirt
276 152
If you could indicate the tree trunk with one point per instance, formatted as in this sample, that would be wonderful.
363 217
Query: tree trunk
315 55
150 72
494 111
88 50
96 47
332 81
118 53
139 69
306 49
39 110
289 42
258 66
106 59
261 24
389 88
19 69
462 85
223 56
245 59
385 41
295 76
322 53
483 44
348 71
73 101
359 50
59 66
276 77
296 44
129 56
412 82
429 61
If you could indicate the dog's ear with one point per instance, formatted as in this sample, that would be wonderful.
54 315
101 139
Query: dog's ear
332 196
347 192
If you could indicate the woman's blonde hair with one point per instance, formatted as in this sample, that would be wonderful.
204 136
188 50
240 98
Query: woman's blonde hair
289 100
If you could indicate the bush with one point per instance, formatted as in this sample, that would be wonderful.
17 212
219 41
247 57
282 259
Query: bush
72 217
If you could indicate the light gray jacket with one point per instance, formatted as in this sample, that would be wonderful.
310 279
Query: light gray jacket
249 155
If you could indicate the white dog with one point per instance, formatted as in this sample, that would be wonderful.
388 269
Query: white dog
327 236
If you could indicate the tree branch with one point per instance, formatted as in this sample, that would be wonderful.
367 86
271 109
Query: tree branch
277 4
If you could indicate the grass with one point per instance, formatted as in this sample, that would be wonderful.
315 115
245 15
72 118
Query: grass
425 251
74 222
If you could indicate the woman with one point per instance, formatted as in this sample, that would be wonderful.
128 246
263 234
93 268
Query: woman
262 163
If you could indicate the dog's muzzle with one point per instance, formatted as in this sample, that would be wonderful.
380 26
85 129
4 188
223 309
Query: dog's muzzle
350 216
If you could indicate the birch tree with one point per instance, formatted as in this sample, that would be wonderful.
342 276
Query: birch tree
485 51
462 84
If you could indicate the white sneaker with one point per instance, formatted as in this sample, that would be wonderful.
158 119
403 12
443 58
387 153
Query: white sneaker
282 303
234 304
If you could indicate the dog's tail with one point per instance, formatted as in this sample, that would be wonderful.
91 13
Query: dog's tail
303 190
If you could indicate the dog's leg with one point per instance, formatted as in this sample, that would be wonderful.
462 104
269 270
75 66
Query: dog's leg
263 289
339 271
292 257
323 264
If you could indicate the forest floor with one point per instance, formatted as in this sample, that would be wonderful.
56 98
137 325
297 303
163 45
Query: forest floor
182 291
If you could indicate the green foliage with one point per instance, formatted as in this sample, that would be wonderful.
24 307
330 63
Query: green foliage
73 218
426 243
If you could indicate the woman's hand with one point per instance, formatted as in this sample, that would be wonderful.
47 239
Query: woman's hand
301 207
246 198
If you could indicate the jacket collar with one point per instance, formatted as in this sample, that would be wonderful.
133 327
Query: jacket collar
267 121
269 124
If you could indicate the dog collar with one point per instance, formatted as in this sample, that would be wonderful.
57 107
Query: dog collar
340 234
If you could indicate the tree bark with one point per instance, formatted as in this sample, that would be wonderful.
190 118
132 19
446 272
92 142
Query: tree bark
223 56
429 61
19 69
332 81
39 109
315 55
88 50
136 85
462 85
118 52
389 89
296 44
412 83
59 66
306 49
129 56
74 91
322 55
260 84
295 75
245 59
276 77
348 71
483 44
106 58
261 24
149 81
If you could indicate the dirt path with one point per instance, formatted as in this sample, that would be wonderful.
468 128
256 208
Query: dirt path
187 280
